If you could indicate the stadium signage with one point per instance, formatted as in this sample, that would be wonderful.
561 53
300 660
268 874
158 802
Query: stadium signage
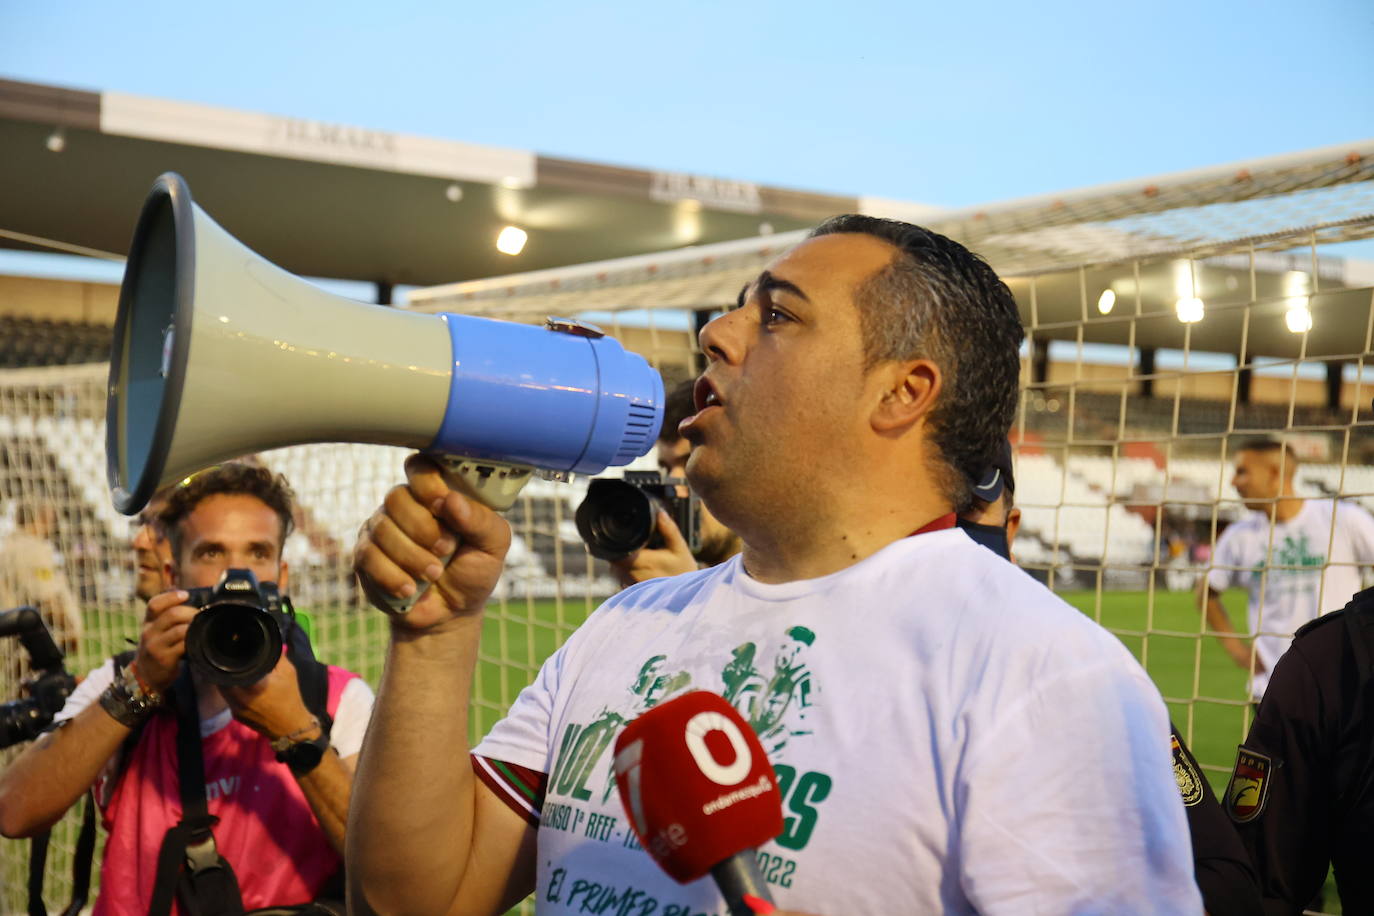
715 193
302 131
303 138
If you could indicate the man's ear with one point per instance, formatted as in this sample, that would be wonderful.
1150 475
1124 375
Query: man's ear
281 578
910 390
1013 524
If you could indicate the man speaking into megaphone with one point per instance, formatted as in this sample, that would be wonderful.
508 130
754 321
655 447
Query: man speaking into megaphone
946 734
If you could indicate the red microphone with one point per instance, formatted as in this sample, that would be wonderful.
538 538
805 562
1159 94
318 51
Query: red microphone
701 795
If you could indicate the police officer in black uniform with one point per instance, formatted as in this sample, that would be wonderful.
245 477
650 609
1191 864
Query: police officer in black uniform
1220 866
1302 790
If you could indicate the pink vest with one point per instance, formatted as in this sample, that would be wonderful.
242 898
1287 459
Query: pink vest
266 830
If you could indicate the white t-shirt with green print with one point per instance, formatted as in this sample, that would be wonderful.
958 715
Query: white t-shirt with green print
948 737
1314 566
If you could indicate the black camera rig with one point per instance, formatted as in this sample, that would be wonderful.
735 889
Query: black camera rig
618 515
47 688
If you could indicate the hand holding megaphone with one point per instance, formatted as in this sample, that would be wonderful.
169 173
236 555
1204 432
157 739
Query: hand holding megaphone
430 541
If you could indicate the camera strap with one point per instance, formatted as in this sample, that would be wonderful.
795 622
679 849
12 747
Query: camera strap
81 865
38 860
81 859
189 865
311 674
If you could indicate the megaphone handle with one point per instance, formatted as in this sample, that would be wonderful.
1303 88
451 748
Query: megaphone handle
492 483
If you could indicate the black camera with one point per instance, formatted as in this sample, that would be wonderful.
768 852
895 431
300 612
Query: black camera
236 638
47 688
617 517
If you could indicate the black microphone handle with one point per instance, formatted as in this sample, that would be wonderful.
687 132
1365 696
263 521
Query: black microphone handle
737 876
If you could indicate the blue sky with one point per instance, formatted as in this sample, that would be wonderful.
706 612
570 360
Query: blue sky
944 103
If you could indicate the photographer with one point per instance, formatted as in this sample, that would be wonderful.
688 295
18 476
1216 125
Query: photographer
277 774
152 550
718 543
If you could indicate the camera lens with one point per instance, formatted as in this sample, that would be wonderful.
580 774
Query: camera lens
615 519
233 644
619 524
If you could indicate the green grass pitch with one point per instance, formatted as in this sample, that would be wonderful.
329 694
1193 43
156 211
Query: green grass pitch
1206 690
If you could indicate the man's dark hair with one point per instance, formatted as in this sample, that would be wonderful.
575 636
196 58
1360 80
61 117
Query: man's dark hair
233 479
679 404
937 300
1269 446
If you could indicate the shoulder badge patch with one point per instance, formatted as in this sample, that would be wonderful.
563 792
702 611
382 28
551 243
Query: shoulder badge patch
1186 775
1248 789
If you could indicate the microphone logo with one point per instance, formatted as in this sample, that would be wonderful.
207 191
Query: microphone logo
696 784
703 724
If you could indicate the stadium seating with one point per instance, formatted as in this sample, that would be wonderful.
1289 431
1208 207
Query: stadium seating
338 485
1088 503
1076 511
26 341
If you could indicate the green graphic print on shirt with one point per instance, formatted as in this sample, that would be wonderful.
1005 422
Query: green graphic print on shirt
771 687
1295 568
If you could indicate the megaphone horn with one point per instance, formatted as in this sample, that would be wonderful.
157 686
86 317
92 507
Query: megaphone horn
218 353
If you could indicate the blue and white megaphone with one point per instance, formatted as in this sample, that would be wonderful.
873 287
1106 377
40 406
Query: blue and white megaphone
219 353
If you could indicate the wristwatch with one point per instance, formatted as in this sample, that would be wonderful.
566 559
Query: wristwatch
302 755
126 701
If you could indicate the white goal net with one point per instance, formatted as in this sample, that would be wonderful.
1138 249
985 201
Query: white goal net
1168 321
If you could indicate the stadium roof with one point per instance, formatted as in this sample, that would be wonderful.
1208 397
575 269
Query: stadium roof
1059 252
347 202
